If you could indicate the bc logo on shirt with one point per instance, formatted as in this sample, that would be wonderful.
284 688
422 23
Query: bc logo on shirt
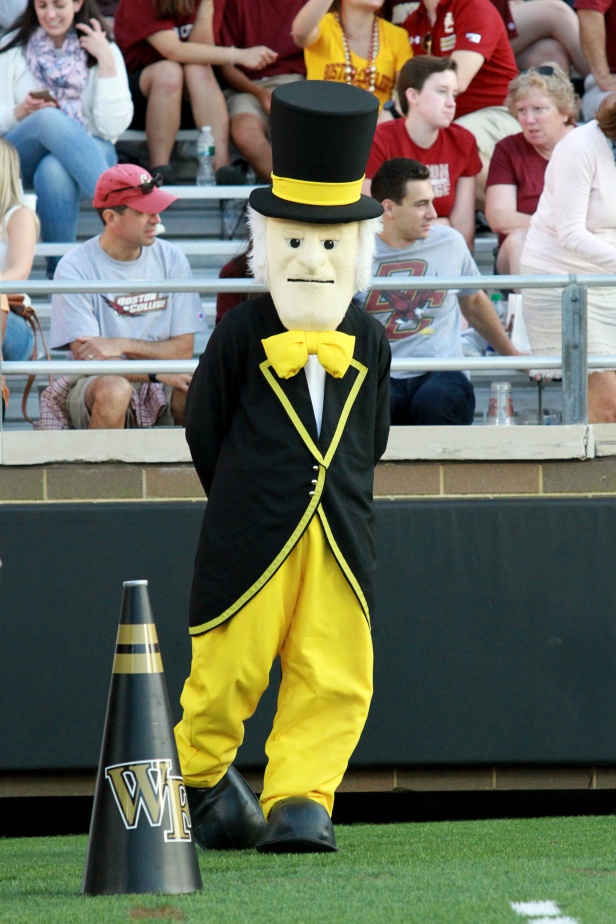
134 305
404 313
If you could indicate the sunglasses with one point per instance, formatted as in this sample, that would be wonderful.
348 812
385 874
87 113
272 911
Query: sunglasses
146 187
546 70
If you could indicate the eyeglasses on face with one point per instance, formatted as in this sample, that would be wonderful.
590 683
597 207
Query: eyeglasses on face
146 187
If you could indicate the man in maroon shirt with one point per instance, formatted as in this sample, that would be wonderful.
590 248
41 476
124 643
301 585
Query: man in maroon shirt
474 35
165 55
249 93
598 37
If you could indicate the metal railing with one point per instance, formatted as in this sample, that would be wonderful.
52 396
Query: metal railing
574 361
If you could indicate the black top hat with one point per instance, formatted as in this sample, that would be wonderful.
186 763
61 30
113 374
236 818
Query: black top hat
321 132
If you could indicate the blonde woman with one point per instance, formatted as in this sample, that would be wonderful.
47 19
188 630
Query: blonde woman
543 101
4 312
18 231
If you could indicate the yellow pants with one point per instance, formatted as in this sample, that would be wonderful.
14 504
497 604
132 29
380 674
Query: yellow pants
309 615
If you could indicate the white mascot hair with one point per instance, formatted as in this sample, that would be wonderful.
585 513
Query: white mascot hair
368 229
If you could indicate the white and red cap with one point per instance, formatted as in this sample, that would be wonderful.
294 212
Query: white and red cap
128 184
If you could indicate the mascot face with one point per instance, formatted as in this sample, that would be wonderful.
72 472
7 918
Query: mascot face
311 272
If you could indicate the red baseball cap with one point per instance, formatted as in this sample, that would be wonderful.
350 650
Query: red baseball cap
128 184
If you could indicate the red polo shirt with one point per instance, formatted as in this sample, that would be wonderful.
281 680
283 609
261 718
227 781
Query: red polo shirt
468 25
608 8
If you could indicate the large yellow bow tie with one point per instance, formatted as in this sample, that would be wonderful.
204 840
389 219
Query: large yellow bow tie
288 352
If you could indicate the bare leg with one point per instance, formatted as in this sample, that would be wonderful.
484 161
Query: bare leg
542 19
161 84
540 52
508 260
602 397
248 133
107 399
178 403
209 108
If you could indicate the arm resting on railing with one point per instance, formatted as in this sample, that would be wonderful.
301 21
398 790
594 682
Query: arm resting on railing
480 314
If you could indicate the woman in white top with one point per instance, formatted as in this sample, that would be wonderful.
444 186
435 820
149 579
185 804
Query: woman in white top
18 230
574 231
64 144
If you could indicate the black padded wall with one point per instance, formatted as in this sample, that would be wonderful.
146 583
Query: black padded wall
495 637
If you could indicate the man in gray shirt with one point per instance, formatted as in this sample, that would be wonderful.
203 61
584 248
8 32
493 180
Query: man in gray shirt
150 325
425 323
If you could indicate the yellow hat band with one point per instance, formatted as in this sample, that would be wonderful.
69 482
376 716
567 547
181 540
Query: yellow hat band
308 192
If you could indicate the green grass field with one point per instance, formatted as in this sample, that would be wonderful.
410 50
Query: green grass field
463 872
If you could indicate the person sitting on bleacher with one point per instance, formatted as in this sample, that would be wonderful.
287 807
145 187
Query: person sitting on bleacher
427 90
425 323
151 325
4 313
248 93
64 99
541 31
544 102
349 43
169 48
18 230
474 35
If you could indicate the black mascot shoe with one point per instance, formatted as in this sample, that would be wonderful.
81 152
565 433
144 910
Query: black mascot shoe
298 825
227 816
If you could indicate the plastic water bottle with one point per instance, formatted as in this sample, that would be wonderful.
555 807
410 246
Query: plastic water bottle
205 152
500 308
232 214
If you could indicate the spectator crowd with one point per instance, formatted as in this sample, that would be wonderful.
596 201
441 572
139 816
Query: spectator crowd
479 128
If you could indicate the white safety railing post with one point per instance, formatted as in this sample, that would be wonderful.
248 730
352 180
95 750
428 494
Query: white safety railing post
575 353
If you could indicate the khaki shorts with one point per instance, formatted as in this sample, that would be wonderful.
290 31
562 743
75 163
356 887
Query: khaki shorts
489 126
240 103
80 415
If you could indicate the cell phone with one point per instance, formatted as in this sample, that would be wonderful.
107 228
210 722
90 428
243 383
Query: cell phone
45 95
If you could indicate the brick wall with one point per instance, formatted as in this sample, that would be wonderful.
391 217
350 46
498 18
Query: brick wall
122 481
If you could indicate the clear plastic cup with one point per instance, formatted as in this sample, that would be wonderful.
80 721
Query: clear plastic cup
500 410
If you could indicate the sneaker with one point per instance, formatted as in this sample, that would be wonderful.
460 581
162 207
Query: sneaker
167 172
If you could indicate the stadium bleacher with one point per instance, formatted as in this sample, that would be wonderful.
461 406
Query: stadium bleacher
194 223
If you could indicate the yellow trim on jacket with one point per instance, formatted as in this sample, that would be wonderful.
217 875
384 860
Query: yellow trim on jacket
312 506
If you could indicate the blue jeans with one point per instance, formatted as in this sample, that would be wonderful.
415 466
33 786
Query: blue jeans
63 163
432 399
18 340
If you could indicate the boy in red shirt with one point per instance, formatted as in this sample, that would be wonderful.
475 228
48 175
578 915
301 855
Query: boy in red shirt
474 35
427 90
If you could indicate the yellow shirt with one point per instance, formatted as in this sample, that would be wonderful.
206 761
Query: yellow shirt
325 57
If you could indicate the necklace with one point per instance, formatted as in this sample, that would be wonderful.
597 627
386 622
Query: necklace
351 71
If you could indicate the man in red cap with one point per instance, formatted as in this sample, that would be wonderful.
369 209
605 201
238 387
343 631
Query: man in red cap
150 325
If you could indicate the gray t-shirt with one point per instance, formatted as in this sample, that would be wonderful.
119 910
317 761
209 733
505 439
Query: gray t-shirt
424 322
148 316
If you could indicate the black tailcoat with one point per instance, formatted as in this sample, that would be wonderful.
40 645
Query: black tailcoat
253 439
